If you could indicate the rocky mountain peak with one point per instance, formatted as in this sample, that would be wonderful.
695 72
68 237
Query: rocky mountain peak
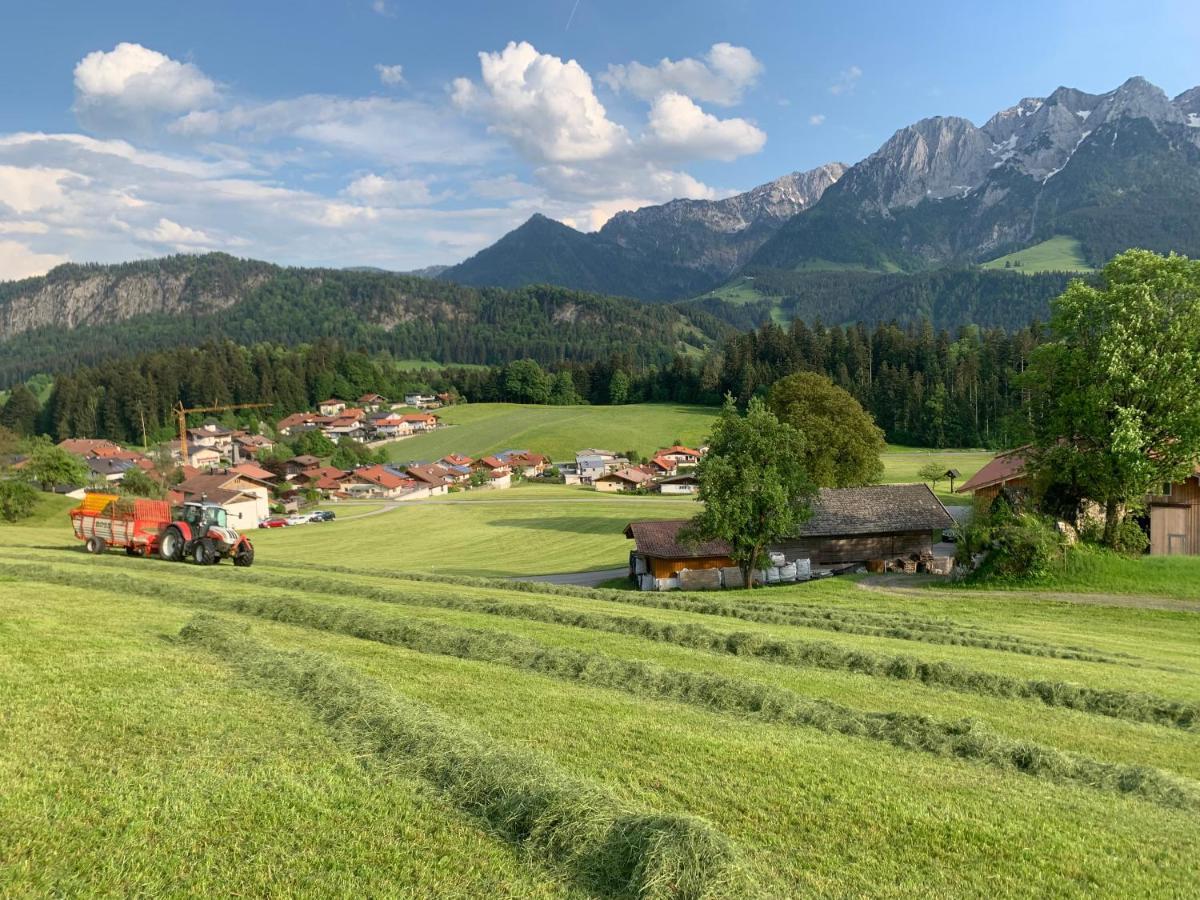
1136 98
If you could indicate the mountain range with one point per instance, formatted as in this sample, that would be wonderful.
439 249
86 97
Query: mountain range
1095 173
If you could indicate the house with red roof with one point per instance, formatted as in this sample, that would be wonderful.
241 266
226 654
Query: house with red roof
681 456
375 481
421 421
332 406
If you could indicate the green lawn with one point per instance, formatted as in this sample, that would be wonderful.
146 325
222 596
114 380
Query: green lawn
133 762
901 464
1058 254
557 431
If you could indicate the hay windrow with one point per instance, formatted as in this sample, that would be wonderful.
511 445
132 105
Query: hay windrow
723 694
1125 705
610 848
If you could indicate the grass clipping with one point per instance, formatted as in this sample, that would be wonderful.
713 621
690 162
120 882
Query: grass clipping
574 823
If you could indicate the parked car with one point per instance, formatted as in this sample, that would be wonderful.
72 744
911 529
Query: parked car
273 522
324 515
299 519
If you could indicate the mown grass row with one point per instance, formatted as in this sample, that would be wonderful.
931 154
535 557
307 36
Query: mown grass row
609 847
901 626
723 694
1126 705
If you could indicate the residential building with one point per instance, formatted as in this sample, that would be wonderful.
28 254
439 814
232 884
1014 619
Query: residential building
421 421
375 481
372 402
85 447
198 457
214 435
623 480
679 484
332 406
387 424
242 495
1004 473
593 463
681 456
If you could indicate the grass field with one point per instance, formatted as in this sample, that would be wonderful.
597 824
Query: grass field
1058 254
335 727
557 431
901 464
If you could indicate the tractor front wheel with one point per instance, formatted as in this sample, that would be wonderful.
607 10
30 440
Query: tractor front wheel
244 556
94 544
170 546
204 553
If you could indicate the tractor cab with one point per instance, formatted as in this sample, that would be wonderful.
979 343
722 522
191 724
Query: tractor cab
205 514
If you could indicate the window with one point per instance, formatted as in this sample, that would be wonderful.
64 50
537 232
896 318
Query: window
1166 489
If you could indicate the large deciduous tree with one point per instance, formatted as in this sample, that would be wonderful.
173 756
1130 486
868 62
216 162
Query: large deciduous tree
52 467
753 484
841 441
1115 395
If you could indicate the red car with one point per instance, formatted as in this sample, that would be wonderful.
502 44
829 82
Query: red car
273 522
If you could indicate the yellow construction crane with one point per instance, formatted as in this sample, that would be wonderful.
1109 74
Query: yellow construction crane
182 413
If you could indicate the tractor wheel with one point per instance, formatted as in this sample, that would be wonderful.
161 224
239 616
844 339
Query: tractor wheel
170 545
94 544
244 557
131 550
203 552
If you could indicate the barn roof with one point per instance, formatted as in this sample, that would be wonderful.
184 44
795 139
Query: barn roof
876 509
661 539
1004 467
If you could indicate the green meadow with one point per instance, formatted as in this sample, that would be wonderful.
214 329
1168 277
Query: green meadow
1057 254
342 719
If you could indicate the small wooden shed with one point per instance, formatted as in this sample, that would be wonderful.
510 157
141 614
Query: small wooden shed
659 555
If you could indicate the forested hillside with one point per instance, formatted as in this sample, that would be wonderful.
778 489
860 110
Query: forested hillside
81 315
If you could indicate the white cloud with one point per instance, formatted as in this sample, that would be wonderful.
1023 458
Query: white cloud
846 81
679 127
25 190
546 107
18 261
382 191
816 119
132 84
721 77
390 75
382 8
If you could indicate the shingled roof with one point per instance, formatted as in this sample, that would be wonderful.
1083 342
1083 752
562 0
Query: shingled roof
1003 467
661 539
877 509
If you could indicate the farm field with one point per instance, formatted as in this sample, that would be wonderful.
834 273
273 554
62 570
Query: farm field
1057 254
342 728
557 431
901 464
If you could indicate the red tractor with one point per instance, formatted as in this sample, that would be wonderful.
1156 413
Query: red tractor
202 533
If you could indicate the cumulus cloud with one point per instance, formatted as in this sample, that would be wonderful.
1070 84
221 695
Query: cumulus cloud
816 119
677 126
390 75
546 107
721 77
846 81
132 84
399 192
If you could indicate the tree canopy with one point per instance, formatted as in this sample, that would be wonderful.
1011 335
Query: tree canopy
1115 397
753 484
841 441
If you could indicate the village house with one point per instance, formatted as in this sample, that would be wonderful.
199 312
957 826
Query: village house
332 407
681 456
326 479
251 445
198 457
254 471
347 427
524 463
292 424
372 402
491 464
240 494
623 480
421 421
659 555
456 459
437 479
680 484
592 463
661 466
374 481
1173 513
384 425
421 401
297 465
111 469
499 479
85 447
213 435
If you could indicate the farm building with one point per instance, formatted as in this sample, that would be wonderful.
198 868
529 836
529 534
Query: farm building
1175 518
1006 472
659 556
1173 514
239 493
881 521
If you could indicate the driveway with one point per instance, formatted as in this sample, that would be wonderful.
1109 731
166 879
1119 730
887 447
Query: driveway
580 579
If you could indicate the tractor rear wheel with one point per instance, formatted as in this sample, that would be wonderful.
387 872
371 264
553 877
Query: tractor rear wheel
244 557
170 545
94 544
203 552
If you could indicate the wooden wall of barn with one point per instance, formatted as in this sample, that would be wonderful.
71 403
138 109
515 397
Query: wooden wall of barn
1182 515
856 548
668 568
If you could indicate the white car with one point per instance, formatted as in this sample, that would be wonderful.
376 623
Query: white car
299 519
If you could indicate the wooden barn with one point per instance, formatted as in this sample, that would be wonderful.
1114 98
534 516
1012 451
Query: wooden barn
1005 472
882 521
1175 518
659 556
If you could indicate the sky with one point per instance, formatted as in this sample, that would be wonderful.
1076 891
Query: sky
405 134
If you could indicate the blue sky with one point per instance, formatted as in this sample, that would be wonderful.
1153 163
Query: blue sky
401 134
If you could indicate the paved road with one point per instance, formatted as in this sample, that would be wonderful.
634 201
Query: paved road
580 579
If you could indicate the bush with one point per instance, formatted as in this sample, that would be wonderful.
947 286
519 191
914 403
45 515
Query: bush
1021 545
1129 539
17 499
